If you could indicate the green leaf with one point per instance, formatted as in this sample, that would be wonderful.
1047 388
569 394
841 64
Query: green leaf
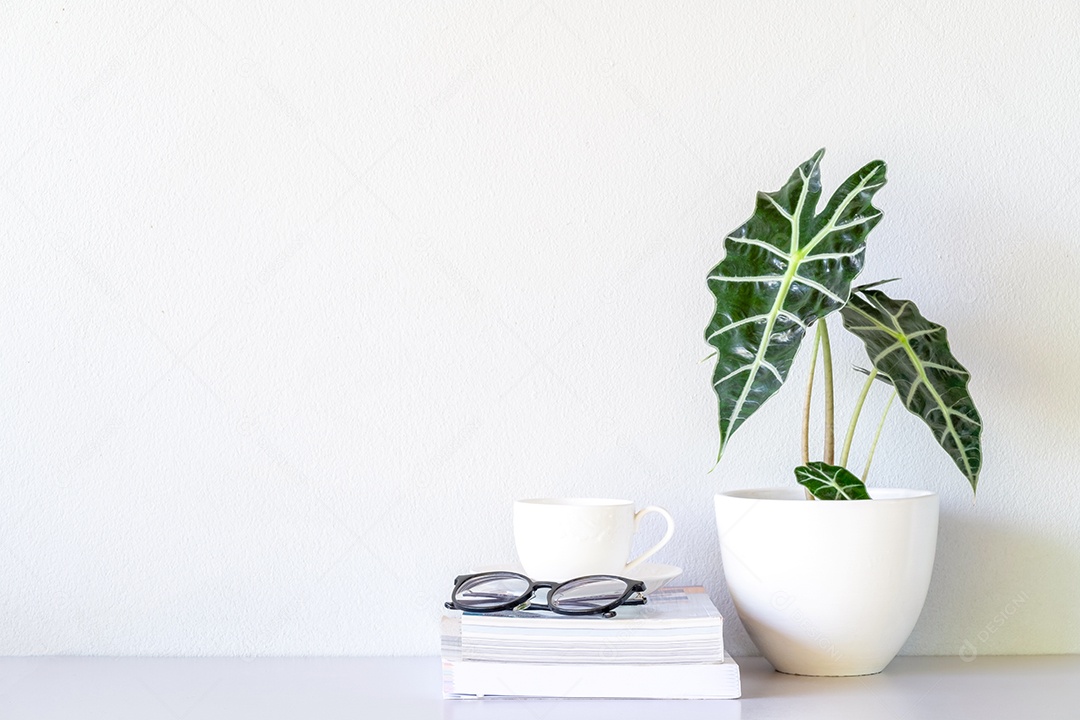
784 268
830 482
931 383
876 284
881 377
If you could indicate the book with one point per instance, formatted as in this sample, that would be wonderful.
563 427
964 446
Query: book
474 678
670 648
677 625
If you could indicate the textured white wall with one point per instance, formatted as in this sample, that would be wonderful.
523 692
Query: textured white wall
295 302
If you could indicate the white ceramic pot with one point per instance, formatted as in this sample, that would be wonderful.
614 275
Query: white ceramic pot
828 587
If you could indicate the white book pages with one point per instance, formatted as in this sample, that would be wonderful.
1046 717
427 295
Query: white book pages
468 678
681 626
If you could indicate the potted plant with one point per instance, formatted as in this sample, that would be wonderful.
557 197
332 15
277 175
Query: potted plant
829 578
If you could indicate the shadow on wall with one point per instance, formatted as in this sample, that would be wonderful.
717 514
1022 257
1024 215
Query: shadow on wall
1019 597
709 565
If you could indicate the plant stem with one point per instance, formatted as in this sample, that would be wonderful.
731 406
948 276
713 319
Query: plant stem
809 393
855 416
826 363
873 445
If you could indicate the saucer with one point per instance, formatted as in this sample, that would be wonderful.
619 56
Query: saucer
654 575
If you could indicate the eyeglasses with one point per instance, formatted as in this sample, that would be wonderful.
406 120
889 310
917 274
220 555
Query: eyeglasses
590 595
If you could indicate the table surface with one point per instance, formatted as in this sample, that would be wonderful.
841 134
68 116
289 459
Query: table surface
327 688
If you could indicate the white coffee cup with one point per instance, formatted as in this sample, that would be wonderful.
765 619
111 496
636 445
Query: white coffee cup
562 538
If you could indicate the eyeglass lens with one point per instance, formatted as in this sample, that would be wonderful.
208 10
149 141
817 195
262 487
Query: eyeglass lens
491 590
588 594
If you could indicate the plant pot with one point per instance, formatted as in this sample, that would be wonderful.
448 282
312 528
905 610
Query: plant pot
828 587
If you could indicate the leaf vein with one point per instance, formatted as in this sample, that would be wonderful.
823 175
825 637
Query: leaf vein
761 244
819 287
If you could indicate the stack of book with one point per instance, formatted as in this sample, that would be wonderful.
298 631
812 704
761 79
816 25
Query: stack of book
671 647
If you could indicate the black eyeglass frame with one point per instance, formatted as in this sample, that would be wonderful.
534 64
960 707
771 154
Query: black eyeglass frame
521 602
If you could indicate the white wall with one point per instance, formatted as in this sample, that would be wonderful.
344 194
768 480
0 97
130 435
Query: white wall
295 302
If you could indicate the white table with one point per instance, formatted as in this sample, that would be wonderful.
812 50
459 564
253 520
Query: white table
325 688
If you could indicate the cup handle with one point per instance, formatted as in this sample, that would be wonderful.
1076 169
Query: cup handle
663 541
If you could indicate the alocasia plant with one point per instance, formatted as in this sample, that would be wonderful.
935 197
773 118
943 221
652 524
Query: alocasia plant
789 267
